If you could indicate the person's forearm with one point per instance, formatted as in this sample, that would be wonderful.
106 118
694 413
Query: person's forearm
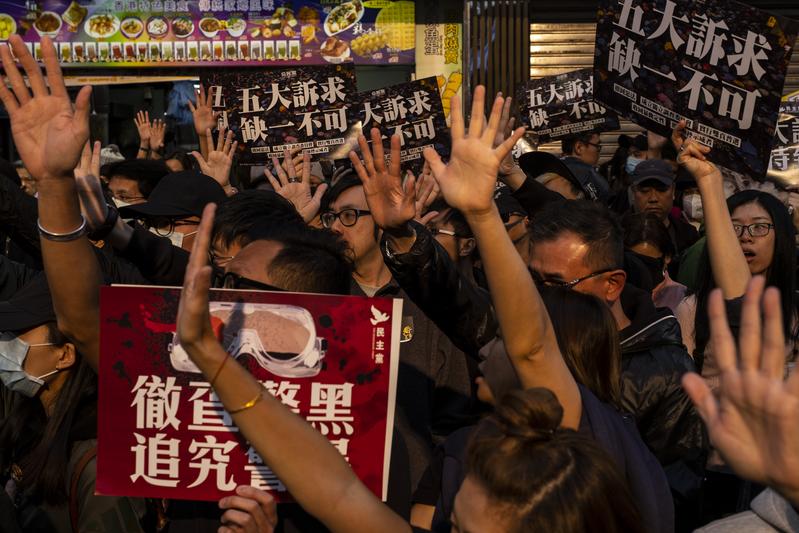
292 449
144 150
515 179
76 299
203 145
519 308
730 269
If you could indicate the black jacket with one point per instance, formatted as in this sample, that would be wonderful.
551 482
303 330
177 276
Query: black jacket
653 363
452 300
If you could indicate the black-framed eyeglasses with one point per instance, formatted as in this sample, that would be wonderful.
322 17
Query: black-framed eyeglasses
598 146
126 198
549 282
219 260
166 226
758 229
511 225
231 280
347 217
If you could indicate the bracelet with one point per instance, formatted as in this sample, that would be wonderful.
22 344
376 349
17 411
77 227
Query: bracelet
142 149
63 237
219 370
249 404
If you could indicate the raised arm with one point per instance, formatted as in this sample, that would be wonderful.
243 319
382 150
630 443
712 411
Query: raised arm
296 189
49 135
142 122
286 442
727 260
454 303
204 118
467 183
219 160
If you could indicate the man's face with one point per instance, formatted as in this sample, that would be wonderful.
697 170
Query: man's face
126 190
589 152
360 236
563 260
652 196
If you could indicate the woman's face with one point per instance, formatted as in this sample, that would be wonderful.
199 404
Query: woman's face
759 251
473 512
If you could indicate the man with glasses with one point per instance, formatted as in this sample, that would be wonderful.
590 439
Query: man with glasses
132 181
434 386
579 245
581 155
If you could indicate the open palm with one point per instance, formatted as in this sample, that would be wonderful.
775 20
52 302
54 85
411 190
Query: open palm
48 133
467 182
391 203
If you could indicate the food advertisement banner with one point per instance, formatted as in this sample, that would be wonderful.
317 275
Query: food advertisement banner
272 110
203 33
163 432
718 64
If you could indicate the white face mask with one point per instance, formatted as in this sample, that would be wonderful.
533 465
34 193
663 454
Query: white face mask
692 205
13 352
120 203
176 237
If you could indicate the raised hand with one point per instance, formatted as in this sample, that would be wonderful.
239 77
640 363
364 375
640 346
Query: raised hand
392 204
90 191
194 330
427 192
296 190
220 157
505 130
752 417
49 133
157 133
202 112
678 134
468 180
692 157
142 121
250 511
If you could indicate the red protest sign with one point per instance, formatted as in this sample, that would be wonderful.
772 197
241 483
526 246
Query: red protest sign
163 433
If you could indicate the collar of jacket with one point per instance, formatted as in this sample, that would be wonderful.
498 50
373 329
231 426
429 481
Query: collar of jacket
391 289
649 326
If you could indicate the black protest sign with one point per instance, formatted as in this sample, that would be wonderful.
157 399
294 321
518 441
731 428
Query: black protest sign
413 111
719 64
784 163
277 109
559 106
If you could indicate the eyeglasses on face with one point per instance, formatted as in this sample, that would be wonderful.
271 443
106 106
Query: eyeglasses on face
759 229
550 282
231 280
166 226
126 198
598 146
219 260
347 217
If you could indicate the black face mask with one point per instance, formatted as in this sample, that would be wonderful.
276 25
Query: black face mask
654 266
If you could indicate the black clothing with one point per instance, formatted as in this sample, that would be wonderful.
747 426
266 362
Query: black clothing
158 260
615 433
434 390
453 301
653 363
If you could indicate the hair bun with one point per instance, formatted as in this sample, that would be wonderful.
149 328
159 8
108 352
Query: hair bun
531 414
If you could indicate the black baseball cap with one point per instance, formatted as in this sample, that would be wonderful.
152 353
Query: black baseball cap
580 174
654 170
507 204
30 306
181 194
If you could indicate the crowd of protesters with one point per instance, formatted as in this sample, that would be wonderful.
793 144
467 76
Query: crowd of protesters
592 348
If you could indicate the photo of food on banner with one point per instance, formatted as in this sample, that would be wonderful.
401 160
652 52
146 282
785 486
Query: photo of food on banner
718 64
229 33
784 164
278 109
163 432
411 110
558 106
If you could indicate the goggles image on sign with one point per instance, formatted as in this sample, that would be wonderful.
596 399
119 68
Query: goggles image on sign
281 338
